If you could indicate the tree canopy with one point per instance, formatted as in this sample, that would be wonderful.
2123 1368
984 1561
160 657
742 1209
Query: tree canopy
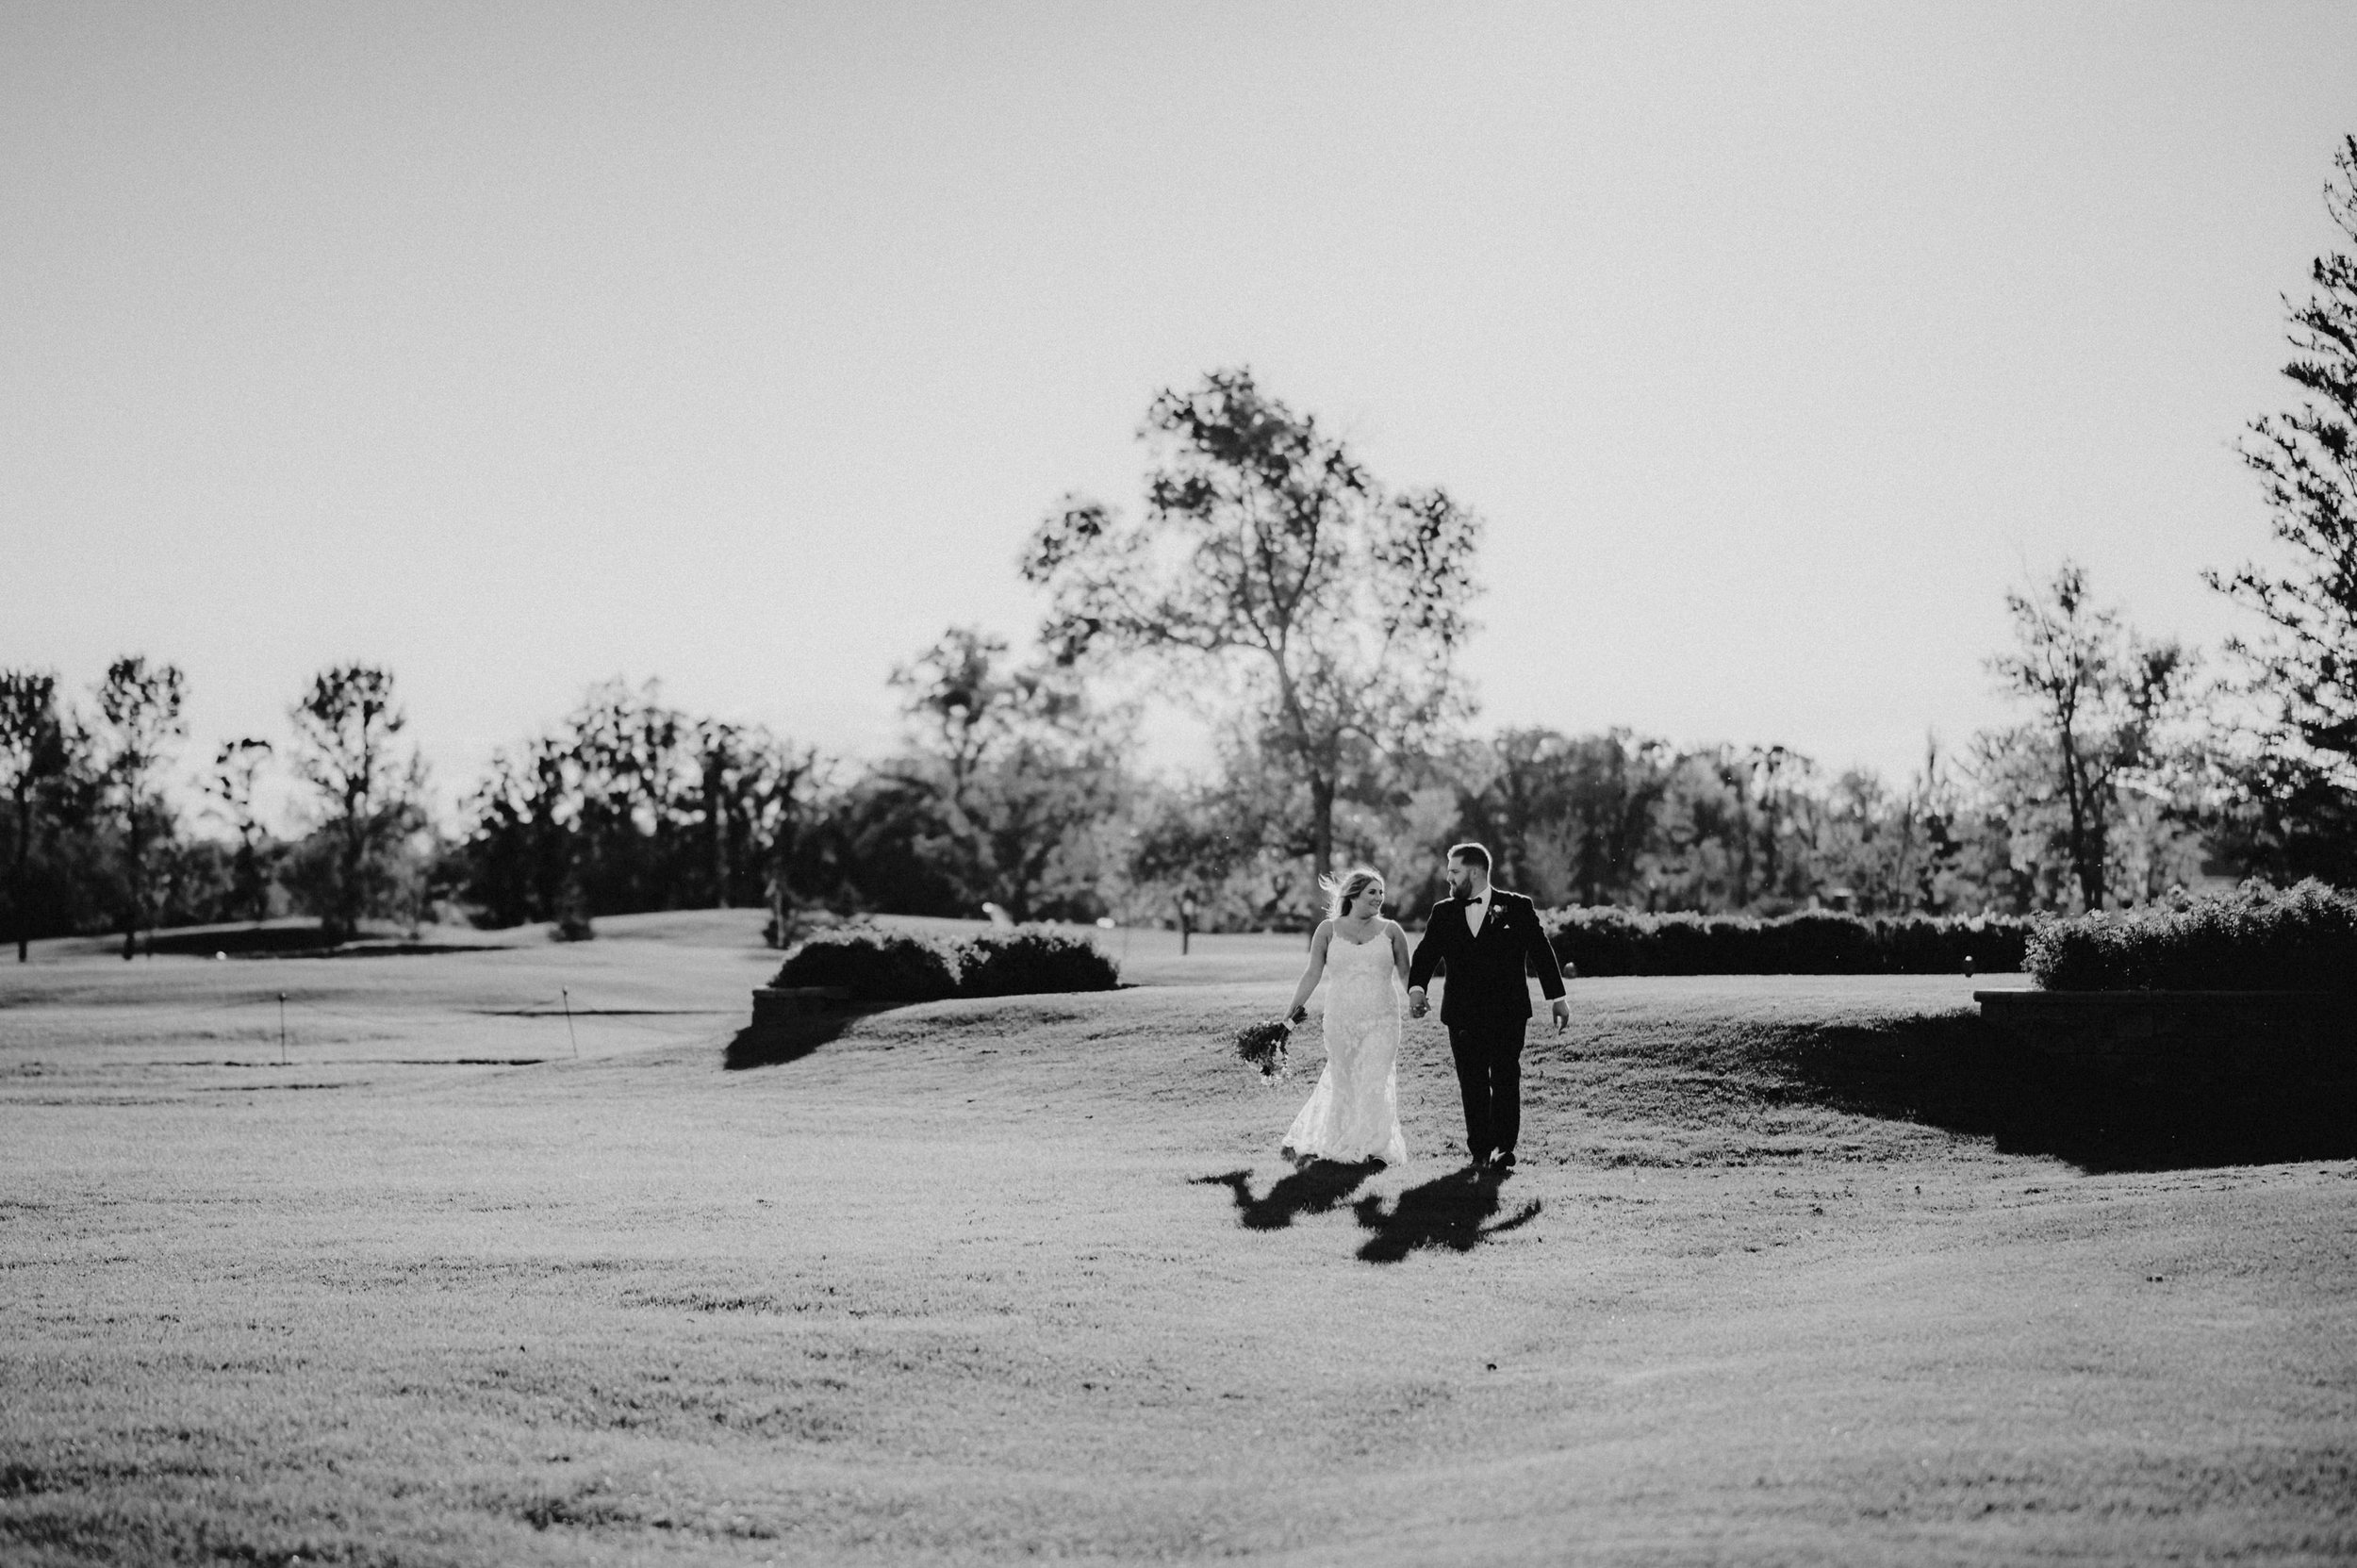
2298 791
2102 701
1269 568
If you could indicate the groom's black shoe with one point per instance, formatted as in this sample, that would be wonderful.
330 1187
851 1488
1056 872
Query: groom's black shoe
1502 1160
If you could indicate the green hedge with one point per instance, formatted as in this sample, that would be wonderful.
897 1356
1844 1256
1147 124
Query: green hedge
2256 938
1607 941
874 966
892 966
1030 960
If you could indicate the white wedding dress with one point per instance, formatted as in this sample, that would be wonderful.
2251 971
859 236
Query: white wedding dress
1353 1113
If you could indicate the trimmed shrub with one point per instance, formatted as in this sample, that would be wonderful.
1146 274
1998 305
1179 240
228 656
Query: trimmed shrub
2256 938
890 966
1609 941
873 965
1032 959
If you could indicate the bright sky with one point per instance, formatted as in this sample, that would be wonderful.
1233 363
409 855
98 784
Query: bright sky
518 346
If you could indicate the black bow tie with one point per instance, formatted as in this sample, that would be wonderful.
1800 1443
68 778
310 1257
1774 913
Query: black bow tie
1480 900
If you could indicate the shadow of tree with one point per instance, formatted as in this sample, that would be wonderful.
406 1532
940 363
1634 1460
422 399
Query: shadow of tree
1318 1187
1449 1212
2162 1112
295 941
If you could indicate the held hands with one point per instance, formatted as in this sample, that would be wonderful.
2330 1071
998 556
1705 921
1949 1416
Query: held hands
1298 1014
1418 1005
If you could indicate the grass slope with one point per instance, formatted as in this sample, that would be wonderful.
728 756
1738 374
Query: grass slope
1783 1279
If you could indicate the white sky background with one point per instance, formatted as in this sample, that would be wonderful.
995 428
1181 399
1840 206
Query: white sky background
517 347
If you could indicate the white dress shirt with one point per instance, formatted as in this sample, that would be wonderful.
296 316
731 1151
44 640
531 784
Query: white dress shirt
1475 910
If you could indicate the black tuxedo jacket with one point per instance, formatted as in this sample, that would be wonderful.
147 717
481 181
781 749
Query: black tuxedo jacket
1485 972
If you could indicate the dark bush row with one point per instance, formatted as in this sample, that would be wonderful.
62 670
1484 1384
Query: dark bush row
1605 941
2256 938
888 966
873 965
1030 960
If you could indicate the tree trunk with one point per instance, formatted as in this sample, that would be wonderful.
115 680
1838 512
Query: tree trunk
2086 841
2090 869
348 885
783 917
251 884
16 875
1321 823
716 819
137 855
1743 836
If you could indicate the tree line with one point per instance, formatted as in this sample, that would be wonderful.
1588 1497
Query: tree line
1014 789
99 838
1315 617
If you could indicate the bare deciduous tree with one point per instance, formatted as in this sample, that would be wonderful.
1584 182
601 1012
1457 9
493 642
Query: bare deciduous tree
781 785
1020 767
237 775
755 792
347 747
2101 697
139 712
34 748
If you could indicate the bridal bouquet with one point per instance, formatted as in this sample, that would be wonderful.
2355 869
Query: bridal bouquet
1262 1046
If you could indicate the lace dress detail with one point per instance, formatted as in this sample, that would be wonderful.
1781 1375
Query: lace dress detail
1353 1115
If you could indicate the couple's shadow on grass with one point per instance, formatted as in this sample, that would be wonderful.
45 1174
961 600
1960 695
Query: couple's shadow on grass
1454 1212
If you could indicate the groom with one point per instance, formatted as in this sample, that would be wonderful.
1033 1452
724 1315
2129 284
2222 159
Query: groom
1484 936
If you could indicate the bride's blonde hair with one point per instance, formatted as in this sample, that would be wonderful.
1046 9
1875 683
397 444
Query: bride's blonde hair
1340 894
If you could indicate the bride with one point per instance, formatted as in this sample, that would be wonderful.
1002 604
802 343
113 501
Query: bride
1353 1113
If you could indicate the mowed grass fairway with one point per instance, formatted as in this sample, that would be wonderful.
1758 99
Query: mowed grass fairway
1781 1280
